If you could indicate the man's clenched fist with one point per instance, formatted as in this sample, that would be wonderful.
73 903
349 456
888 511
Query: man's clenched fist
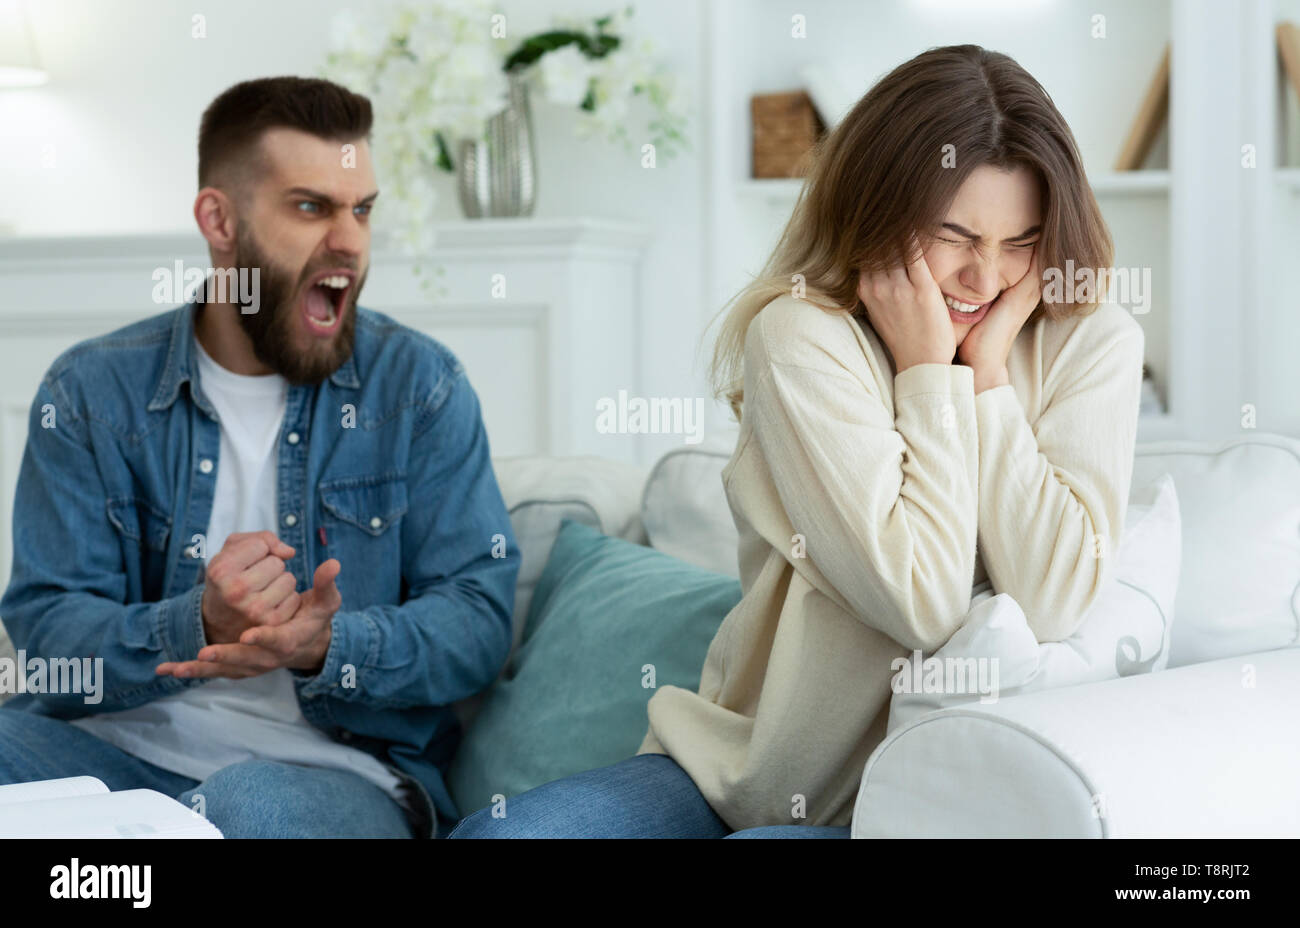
246 585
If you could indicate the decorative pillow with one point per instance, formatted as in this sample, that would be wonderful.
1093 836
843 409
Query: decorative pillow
609 621
1239 592
1126 631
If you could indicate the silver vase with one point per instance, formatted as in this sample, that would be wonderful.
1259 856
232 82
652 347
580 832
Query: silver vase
495 175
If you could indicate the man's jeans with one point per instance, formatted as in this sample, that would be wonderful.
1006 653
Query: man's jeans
646 796
251 799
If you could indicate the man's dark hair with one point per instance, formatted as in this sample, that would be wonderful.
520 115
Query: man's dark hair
233 123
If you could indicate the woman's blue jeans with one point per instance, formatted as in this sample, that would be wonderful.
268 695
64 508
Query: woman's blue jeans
646 796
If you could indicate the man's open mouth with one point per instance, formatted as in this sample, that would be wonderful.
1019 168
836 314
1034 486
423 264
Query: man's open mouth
324 301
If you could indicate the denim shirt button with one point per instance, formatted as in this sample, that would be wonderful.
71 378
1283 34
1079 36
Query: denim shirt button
205 466
293 438
291 520
376 522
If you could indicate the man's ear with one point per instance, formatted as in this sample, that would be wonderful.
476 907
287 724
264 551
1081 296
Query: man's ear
214 213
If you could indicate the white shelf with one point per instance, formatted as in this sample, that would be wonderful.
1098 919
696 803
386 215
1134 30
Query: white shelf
1134 183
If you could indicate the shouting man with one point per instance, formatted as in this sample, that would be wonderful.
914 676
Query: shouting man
274 519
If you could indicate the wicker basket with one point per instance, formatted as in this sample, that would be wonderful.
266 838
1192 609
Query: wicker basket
785 128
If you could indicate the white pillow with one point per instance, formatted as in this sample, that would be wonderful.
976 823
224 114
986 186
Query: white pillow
685 511
1240 587
1126 631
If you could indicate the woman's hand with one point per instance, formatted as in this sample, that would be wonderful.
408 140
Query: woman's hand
908 312
987 345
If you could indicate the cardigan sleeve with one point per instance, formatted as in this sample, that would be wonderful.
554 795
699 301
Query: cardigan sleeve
885 498
1052 496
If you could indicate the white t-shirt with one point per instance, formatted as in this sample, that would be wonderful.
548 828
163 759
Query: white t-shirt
203 728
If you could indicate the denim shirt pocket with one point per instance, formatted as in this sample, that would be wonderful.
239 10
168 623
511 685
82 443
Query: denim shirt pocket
146 528
362 519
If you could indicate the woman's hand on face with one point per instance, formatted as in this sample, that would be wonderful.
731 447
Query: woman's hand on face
907 311
987 345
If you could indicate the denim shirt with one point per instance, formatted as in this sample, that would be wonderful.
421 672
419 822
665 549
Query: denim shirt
384 465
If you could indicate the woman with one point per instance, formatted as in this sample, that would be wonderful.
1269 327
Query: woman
903 391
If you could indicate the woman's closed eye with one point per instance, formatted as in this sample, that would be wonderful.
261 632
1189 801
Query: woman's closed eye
952 241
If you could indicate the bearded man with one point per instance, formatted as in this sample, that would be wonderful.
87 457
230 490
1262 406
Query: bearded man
275 520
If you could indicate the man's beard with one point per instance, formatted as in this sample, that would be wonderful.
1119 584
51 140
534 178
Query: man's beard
273 327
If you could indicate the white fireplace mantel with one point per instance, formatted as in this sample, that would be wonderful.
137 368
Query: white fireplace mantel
543 313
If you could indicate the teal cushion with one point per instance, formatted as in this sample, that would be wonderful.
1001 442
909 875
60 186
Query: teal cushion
574 700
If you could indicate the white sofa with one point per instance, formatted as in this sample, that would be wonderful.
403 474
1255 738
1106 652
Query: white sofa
1208 747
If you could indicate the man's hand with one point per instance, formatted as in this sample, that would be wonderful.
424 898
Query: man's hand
247 585
301 642
987 345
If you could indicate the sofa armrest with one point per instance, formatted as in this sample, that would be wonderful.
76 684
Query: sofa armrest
1205 750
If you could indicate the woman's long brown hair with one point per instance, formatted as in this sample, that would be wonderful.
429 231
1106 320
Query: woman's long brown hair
886 172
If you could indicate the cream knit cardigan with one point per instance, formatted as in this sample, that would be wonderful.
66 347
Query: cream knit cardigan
860 497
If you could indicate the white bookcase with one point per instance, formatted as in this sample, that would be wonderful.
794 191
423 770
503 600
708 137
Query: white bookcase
1216 235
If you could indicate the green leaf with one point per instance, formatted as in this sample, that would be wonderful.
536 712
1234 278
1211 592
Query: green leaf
444 155
602 46
534 47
